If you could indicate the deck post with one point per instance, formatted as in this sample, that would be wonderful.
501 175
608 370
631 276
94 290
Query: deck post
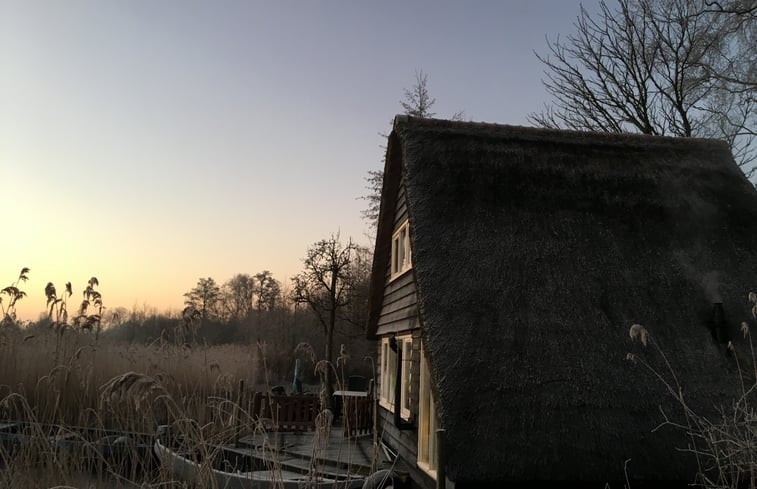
441 461
374 419
237 415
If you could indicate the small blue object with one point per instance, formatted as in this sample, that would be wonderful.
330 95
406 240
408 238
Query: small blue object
297 383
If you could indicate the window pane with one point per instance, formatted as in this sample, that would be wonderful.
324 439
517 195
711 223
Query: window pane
402 254
427 422
384 383
431 433
423 415
395 255
408 257
407 356
392 376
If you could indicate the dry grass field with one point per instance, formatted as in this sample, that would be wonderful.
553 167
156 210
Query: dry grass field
76 379
66 372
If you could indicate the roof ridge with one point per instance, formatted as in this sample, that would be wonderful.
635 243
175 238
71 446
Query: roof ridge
563 136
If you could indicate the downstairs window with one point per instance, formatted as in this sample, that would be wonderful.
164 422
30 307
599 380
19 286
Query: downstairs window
428 422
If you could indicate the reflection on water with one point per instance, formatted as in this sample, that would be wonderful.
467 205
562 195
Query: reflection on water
38 479
88 481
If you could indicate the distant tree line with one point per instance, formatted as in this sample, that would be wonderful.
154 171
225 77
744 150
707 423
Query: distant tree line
236 300
325 306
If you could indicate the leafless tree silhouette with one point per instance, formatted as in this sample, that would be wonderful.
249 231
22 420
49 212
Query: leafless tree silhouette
685 68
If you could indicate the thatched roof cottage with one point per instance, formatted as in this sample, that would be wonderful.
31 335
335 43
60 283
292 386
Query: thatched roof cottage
509 265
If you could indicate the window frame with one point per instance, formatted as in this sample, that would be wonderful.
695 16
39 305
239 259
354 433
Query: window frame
388 366
428 422
402 257
388 374
406 343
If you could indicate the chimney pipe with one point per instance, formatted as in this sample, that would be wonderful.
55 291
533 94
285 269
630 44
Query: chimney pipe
717 324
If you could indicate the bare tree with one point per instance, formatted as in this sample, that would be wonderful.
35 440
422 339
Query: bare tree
237 295
746 9
204 297
734 69
115 317
325 286
267 290
417 102
662 67
244 293
355 314
374 183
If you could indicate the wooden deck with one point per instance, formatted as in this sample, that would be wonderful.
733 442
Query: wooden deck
336 456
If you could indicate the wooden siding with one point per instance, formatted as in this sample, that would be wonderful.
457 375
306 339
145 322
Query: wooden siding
399 316
405 444
401 213
399 309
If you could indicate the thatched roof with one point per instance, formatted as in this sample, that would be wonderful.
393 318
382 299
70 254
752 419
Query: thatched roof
534 251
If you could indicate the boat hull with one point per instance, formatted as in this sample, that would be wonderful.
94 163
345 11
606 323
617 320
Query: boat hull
188 470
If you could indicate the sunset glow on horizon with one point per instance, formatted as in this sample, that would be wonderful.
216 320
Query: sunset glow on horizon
150 144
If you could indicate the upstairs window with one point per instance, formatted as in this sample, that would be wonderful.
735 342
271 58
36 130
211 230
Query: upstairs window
401 256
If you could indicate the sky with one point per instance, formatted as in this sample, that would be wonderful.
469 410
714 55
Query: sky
150 143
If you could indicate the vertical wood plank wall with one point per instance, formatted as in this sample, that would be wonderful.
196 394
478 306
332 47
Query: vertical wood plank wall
399 316
399 310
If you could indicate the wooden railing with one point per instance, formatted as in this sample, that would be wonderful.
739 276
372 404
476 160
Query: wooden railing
358 415
298 413
287 413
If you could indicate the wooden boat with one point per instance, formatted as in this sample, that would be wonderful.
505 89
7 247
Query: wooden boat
255 463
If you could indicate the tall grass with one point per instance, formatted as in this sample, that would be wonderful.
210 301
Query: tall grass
109 385
725 447
63 377
65 374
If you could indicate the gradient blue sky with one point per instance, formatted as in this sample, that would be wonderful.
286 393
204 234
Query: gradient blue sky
151 143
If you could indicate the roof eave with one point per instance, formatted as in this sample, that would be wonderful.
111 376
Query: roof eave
382 249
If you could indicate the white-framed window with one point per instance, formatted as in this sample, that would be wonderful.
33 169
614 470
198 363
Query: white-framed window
401 256
428 422
389 374
407 361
